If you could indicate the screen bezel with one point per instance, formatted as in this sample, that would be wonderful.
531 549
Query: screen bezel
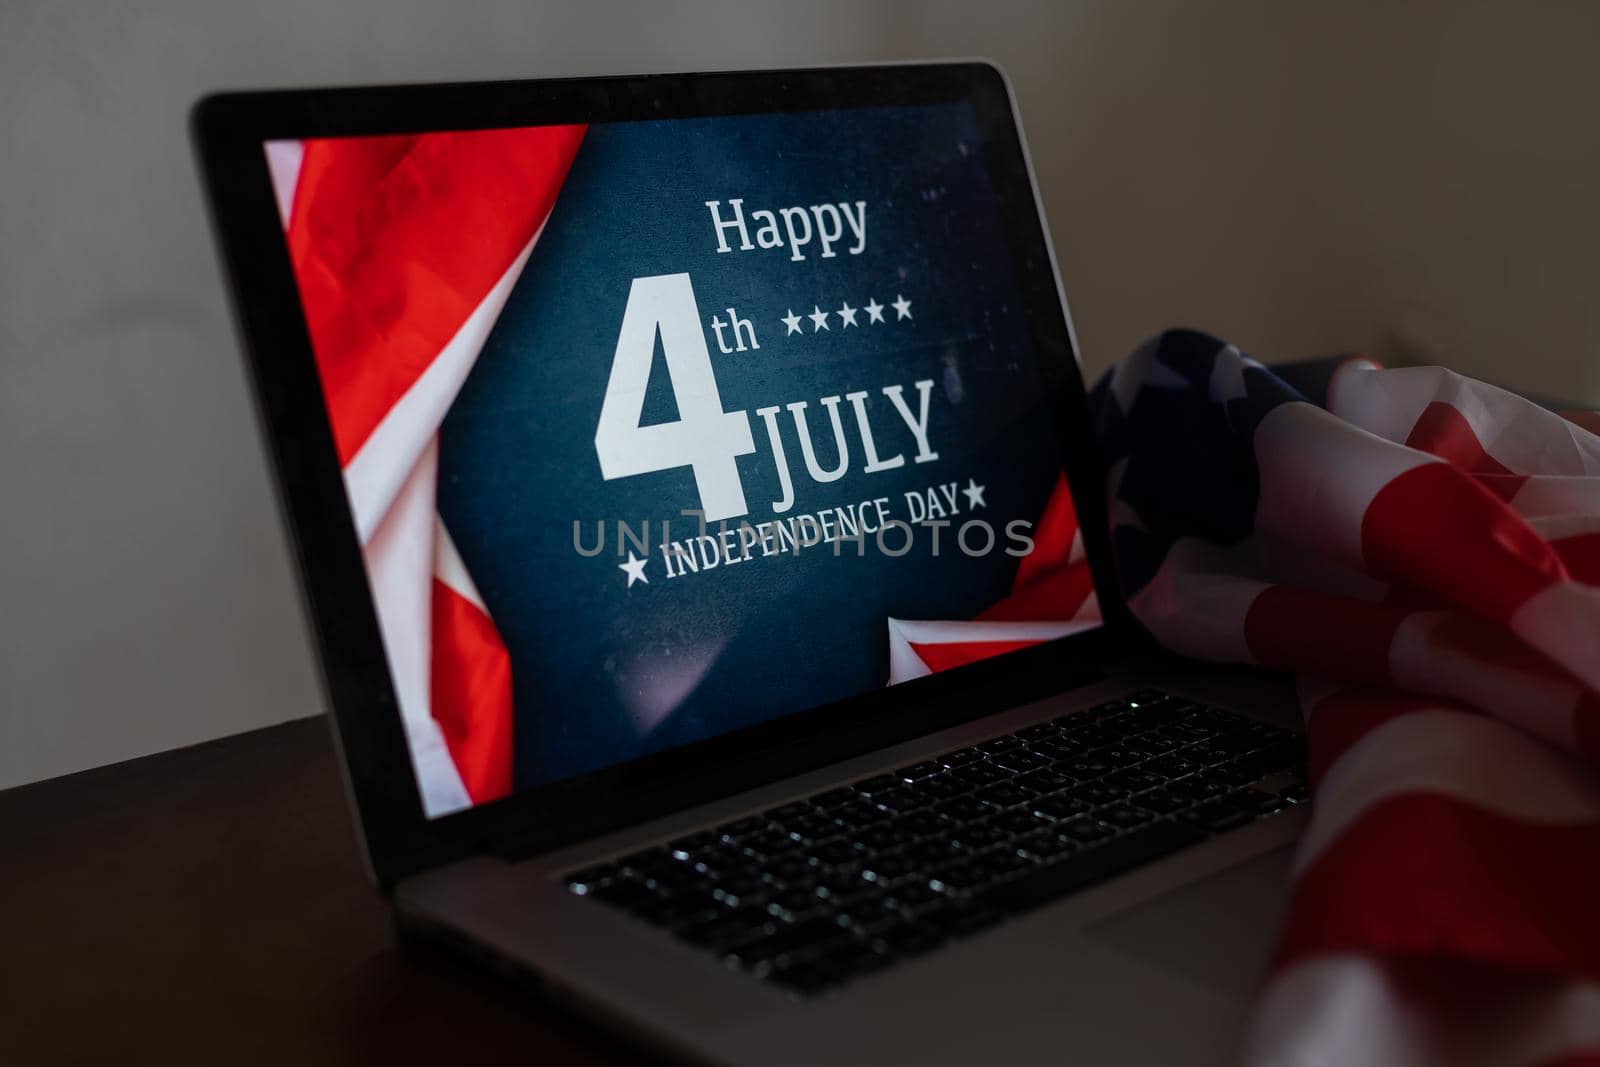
229 131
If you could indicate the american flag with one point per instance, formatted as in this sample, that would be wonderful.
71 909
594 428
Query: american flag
1423 552
1421 549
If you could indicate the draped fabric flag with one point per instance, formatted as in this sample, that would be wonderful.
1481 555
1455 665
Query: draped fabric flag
1052 596
405 249
1423 551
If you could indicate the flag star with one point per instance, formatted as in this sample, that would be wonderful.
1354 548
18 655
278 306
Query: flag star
974 493
874 311
634 569
902 307
792 321
847 314
1121 513
819 319
1138 371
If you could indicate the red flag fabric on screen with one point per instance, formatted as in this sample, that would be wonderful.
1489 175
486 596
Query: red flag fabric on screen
405 249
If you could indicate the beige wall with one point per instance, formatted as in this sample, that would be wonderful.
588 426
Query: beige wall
1413 181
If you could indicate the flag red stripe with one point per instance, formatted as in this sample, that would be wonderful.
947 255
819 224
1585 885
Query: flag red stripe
395 240
1057 595
1440 531
1580 554
1292 629
1425 875
1052 538
1442 430
470 691
1341 719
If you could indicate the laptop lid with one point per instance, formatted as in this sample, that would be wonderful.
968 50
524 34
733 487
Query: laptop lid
645 439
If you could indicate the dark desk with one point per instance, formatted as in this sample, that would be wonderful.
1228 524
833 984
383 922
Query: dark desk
208 906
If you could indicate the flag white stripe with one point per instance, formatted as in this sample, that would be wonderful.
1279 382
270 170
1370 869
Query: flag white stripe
1470 757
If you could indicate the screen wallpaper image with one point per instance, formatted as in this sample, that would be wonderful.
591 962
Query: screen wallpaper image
657 430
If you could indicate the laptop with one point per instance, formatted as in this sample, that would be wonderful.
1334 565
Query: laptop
697 509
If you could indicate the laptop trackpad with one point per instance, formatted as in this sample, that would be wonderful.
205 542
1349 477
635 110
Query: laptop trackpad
1217 932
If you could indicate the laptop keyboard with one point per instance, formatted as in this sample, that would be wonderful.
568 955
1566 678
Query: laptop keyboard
852 880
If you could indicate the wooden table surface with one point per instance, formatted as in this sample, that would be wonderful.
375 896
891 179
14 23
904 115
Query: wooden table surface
208 906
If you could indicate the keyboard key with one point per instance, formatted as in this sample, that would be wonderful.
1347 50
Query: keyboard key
1060 750
1173 766
1134 780
794 869
1295 794
834 798
836 852
1085 830
1048 781
729 930
687 848
958 878
807 829
919 824
978 837
789 811
1097 793
1149 744
1125 816
872 787
1051 882
887 870
980 774
1018 821
794 904
1004 795
918 771
1279 756
1060 807
733 831
1000 744
1044 731
940 787
1220 815
963 809
767 843
1162 802
589 879
1196 788
1090 766
961 757
1020 761
914 894
810 935
1093 737
1044 845
901 800
856 815
1263 802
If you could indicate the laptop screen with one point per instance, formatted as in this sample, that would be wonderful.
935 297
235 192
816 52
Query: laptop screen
654 431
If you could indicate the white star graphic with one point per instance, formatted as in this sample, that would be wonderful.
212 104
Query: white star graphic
902 307
874 311
792 321
974 493
847 315
819 319
634 569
